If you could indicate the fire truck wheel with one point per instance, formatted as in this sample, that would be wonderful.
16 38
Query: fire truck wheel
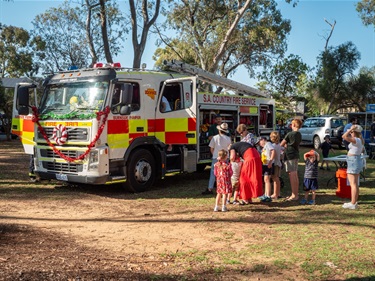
140 171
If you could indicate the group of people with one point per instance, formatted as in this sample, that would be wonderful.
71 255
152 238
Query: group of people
243 168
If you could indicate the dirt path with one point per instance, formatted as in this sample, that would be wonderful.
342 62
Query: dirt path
53 232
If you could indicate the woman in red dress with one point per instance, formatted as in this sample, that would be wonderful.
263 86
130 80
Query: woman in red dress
251 182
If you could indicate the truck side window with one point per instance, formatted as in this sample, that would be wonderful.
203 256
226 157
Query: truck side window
136 99
171 97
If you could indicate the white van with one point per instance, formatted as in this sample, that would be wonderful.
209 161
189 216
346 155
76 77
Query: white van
314 129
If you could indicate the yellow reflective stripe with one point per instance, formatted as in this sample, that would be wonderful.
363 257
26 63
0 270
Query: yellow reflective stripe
16 123
160 136
27 138
66 123
192 140
134 123
176 124
118 140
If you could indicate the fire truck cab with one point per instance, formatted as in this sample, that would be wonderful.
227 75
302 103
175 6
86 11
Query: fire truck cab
109 124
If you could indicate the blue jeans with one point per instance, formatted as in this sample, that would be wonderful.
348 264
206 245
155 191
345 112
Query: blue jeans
212 180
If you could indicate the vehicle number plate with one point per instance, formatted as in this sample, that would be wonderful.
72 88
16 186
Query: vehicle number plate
62 177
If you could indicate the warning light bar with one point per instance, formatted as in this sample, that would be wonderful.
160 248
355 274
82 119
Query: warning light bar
113 65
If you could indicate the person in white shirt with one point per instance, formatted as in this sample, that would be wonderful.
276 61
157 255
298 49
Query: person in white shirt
218 142
164 105
354 163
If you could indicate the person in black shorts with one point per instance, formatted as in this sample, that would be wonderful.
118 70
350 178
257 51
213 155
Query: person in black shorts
326 147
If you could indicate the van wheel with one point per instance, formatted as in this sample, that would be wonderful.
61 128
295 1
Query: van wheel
316 142
140 171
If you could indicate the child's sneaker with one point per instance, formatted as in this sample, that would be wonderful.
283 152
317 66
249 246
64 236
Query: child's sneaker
216 209
224 209
311 202
350 206
228 202
266 199
303 201
235 202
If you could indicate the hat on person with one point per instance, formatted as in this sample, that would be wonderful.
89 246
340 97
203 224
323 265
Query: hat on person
357 129
310 153
259 139
223 127
327 137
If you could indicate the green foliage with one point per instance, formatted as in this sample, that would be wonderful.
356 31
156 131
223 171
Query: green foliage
63 31
366 10
360 89
15 51
287 81
212 34
335 66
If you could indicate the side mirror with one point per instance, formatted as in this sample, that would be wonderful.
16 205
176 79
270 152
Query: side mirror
23 110
125 110
23 96
126 94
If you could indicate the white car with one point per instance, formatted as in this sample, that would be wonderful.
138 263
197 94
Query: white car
314 129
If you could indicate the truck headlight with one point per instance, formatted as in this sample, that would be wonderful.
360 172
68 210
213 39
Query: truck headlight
93 159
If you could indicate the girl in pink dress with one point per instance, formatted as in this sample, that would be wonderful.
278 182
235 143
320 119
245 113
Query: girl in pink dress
223 172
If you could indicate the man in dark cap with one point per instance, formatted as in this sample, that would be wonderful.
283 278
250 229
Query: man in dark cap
213 131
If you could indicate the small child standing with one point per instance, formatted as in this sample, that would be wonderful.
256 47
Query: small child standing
326 147
223 172
235 179
310 180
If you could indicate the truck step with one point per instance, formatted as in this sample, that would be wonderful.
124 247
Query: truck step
116 178
173 155
173 171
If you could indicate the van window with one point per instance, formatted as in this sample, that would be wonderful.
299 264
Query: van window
307 123
336 122
321 123
314 123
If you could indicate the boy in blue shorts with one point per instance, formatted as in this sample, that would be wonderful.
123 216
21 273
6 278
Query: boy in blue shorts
310 179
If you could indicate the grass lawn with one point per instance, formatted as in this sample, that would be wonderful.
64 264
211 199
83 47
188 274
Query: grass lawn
314 242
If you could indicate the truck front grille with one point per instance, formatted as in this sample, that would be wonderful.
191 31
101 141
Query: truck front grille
74 133
63 167
51 154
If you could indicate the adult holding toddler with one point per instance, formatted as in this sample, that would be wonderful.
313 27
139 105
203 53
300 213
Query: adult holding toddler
251 183
354 162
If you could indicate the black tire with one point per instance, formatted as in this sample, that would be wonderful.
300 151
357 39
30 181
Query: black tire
140 171
316 142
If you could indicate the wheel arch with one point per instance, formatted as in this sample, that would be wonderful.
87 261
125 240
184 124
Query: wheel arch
153 145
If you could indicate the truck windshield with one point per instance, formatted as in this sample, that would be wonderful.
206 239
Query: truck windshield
73 99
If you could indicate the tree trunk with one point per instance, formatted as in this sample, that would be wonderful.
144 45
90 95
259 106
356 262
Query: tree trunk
139 47
103 18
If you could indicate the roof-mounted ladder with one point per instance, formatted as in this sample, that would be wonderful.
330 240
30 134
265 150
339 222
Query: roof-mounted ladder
214 78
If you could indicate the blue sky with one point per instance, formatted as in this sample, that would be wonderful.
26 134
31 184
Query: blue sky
307 38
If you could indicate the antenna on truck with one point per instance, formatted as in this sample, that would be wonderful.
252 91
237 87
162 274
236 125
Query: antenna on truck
214 78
